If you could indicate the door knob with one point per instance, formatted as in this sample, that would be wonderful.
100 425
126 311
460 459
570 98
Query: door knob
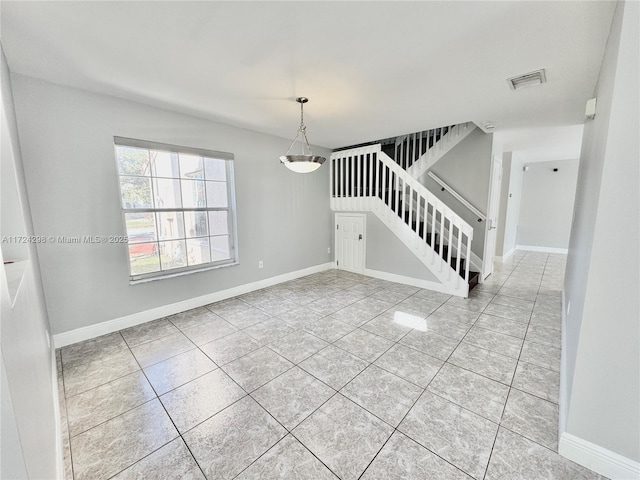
360 237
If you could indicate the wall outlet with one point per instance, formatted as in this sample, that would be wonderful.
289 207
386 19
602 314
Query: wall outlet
260 264
329 250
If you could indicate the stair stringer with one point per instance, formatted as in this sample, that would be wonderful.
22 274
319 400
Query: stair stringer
475 261
443 146
452 283
421 250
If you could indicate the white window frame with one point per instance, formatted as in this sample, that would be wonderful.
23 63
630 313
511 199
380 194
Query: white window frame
230 209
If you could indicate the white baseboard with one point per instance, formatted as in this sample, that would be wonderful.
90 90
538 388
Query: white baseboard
533 248
597 458
506 256
58 416
414 282
109 326
563 395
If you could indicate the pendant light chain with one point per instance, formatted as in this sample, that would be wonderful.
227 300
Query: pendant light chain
303 129
306 162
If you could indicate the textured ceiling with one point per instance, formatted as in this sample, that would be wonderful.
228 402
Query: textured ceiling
371 69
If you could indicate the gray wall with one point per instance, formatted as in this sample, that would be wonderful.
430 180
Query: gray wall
12 462
504 202
601 372
29 440
386 253
546 206
67 139
467 169
11 220
510 199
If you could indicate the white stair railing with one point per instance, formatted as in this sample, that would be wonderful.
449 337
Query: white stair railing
366 179
418 152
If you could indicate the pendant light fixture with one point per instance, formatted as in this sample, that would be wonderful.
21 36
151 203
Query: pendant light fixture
304 162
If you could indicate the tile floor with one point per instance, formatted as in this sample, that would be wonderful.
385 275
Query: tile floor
334 375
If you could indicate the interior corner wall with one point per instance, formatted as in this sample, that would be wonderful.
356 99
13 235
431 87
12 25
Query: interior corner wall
467 169
386 253
504 202
600 379
283 218
546 207
510 200
29 440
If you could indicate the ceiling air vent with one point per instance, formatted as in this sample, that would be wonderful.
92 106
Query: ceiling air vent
527 80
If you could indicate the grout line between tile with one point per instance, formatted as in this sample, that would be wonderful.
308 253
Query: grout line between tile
353 284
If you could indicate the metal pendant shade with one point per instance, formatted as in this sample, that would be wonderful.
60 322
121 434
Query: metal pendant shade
305 162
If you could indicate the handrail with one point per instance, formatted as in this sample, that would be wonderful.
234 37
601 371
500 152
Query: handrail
424 192
457 196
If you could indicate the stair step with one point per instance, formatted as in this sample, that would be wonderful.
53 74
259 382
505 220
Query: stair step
473 279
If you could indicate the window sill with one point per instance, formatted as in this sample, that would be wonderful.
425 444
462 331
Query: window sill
180 274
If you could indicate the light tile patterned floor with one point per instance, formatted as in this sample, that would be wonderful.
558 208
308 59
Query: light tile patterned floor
334 375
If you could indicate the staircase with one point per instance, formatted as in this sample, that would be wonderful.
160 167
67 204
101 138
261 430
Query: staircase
418 152
366 178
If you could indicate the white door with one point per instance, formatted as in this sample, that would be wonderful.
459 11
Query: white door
492 217
350 243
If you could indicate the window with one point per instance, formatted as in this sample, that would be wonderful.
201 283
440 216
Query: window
178 206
